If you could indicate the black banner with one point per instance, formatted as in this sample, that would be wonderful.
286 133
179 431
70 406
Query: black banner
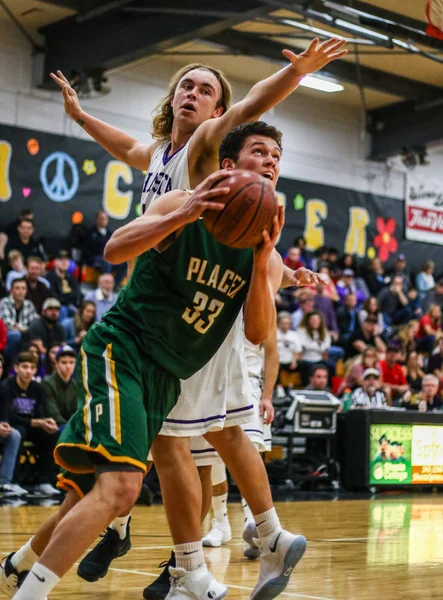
59 176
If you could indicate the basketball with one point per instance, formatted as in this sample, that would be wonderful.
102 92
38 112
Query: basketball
250 208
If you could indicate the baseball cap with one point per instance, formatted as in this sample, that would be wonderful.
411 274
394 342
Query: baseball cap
348 273
65 351
63 254
401 257
51 303
369 372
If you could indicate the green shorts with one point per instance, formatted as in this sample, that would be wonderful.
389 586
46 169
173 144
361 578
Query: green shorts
123 398
81 484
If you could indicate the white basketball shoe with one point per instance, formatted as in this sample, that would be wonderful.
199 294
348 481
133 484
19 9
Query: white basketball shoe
194 585
219 534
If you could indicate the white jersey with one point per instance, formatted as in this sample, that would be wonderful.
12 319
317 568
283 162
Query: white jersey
255 359
165 174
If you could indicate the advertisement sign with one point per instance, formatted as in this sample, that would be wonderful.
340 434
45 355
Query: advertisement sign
406 454
424 210
390 448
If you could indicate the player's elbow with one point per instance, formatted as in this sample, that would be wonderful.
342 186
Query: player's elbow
111 254
256 335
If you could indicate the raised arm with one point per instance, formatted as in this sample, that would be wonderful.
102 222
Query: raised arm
118 143
267 93
164 217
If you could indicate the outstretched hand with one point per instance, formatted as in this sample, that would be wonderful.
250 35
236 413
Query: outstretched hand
317 55
72 104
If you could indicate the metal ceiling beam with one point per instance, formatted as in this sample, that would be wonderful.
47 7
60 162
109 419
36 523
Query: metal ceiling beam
404 25
404 125
116 38
382 81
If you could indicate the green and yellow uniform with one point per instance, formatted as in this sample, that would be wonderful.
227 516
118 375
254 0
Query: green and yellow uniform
168 322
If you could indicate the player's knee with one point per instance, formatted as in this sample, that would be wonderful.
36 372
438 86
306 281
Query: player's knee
120 489
170 450
228 435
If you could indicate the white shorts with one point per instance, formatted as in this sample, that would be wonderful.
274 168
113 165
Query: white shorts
259 433
217 396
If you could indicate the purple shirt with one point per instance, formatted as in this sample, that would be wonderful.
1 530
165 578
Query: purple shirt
324 305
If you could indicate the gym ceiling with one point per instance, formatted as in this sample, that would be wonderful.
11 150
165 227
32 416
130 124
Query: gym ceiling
393 71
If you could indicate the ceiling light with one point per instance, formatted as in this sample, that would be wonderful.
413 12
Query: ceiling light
406 46
328 34
321 84
364 30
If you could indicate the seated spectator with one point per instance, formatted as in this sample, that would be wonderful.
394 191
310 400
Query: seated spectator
319 379
369 395
430 329
334 267
306 256
374 277
34 350
315 342
25 242
330 289
10 442
354 376
306 306
288 345
394 303
435 365
435 296
348 285
24 410
392 376
364 337
401 269
294 260
77 327
38 286
59 388
428 399
46 330
104 296
371 308
50 358
323 305
98 237
17 267
414 371
3 338
347 319
425 279
17 314
64 285
11 229
407 338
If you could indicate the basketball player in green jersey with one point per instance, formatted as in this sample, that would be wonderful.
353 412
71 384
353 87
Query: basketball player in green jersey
131 361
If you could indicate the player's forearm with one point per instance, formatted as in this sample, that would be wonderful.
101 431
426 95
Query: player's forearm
115 141
272 364
266 94
259 311
141 235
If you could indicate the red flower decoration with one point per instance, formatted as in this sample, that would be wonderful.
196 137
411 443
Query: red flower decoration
385 240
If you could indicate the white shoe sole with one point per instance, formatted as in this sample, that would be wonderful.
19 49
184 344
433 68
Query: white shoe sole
275 586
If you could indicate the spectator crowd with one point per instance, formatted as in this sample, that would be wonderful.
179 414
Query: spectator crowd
44 314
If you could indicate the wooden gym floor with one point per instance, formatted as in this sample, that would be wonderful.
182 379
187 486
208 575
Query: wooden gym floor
357 550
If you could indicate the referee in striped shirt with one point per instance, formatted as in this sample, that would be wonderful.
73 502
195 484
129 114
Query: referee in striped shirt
369 395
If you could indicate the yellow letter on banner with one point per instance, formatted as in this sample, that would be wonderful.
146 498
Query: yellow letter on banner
117 204
5 159
316 213
355 242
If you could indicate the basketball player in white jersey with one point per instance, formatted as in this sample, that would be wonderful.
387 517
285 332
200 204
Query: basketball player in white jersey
262 365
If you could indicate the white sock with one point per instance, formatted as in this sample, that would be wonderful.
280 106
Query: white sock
120 524
220 507
38 584
267 523
246 511
24 558
189 556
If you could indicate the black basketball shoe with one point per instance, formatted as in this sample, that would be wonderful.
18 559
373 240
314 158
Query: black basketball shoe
159 589
96 564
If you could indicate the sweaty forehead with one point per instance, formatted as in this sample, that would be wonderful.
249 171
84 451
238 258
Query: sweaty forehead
261 140
202 77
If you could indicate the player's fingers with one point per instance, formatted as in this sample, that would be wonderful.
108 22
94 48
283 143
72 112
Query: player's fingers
57 80
219 191
213 206
337 55
261 409
220 174
337 46
60 74
313 46
266 237
281 216
324 46
289 55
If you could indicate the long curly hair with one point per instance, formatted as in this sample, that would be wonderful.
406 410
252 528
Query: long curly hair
163 119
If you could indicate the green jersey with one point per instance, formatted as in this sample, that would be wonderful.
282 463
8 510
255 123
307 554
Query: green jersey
180 304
